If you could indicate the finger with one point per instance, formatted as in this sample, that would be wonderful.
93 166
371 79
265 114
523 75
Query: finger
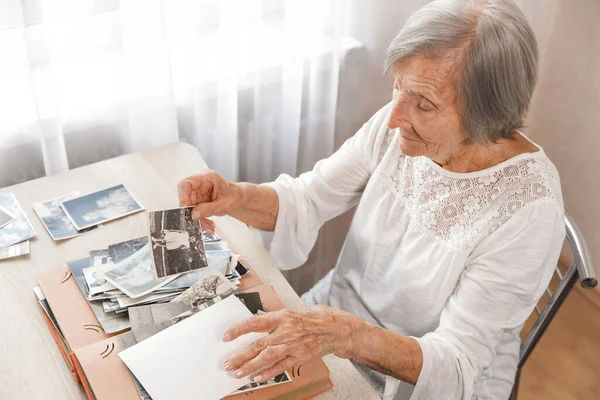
248 353
184 190
256 323
195 189
205 210
207 225
266 357
276 369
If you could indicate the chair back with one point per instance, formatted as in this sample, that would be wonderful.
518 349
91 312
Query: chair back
581 269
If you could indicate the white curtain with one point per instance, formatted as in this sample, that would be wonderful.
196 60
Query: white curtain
252 83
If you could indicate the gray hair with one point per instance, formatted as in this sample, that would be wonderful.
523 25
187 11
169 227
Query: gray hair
498 60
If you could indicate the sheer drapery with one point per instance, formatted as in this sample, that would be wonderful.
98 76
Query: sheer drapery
251 83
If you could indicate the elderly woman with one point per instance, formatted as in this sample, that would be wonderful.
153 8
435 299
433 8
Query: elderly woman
458 226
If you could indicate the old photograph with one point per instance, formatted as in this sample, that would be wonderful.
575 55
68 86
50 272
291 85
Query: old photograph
5 216
212 286
54 219
176 242
281 378
187 280
95 281
20 228
219 260
100 207
16 250
134 276
151 319
120 251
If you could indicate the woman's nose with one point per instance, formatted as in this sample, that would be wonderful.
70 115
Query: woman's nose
398 115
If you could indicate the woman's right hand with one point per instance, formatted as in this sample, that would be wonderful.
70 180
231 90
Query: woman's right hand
210 195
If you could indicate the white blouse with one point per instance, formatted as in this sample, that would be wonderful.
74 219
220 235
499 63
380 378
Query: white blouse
456 260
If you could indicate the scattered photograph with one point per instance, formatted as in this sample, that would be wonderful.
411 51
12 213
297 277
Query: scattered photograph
16 250
176 242
150 319
76 267
54 219
207 291
100 207
95 281
120 251
99 253
100 260
219 260
233 261
279 379
134 274
210 237
125 302
110 305
5 217
20 228
214 246
152 314
252 301
186 280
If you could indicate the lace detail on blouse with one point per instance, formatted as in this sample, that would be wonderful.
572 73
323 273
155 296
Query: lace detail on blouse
458 211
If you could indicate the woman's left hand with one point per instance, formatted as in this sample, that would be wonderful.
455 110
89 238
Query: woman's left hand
295 337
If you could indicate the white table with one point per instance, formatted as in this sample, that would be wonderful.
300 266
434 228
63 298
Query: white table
31 366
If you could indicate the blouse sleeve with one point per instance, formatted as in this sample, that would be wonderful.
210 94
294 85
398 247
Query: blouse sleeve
334 186
503 280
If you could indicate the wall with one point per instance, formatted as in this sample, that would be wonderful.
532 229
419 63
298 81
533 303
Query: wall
565 113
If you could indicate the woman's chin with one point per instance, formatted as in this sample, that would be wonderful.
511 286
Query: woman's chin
411 149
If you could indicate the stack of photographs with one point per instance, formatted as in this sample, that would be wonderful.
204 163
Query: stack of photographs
70 215
15 228
120 277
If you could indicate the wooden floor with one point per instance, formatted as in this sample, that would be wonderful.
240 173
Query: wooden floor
565 364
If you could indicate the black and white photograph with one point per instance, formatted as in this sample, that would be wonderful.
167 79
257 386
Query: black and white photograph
95 281
151 319
279 379
20 228
120 251
210 237
219 260
214 246
176 242
5 217
100 207
16 250
186 280
134 276
76 267
54 219
252 301
207 291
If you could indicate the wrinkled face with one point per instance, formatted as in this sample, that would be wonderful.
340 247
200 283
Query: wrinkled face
425 109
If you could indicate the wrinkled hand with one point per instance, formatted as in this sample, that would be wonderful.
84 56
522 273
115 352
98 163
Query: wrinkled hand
295 337
210 195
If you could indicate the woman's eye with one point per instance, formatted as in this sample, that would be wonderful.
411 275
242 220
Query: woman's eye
425 106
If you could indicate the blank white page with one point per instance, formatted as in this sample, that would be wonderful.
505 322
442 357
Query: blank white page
185 361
